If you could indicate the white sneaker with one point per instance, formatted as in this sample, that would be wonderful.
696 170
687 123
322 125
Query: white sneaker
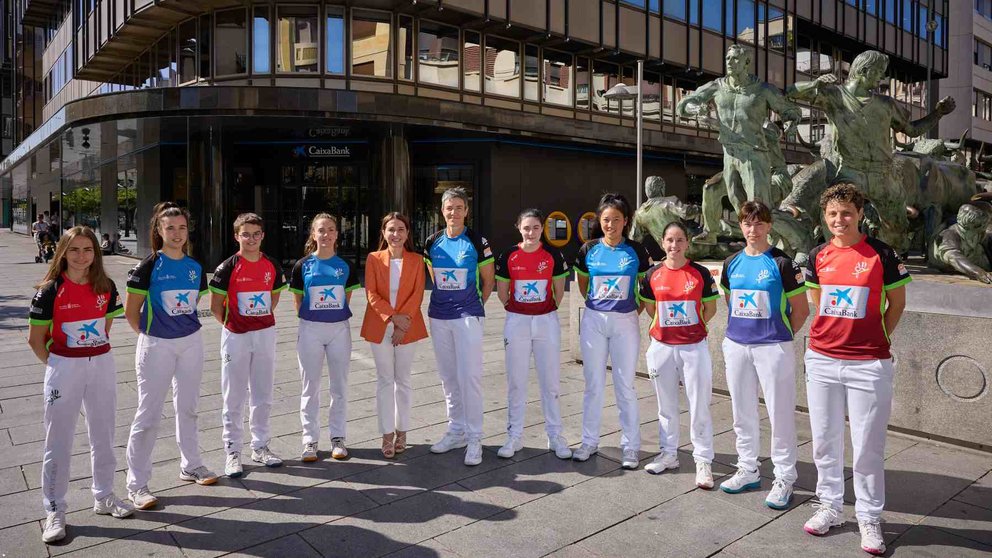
143 498
584 452
54 527
309 454
704 475
741 481
513 445
559 445
201 475
824 518
265 456
233 466
630 459
473 455
450 441
663 462
872 541
112 505
780 495
338 449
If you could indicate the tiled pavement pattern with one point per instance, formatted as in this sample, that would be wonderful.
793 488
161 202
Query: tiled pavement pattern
939 497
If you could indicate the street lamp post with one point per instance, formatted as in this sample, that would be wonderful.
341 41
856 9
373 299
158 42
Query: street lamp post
621 92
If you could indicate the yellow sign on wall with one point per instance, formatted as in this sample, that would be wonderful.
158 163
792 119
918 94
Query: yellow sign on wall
557 229
585 225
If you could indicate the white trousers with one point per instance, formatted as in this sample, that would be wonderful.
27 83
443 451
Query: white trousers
615 336
524 335
772 367
458 350
247 371
160 362
393 387
318 342
667 364
71 383
866 388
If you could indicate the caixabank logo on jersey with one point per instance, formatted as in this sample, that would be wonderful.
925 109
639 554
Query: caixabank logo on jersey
611 287
327 297
179 302
844 301
255 303
749 305
678 313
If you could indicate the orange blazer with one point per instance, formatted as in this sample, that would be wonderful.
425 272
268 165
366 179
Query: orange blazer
408 298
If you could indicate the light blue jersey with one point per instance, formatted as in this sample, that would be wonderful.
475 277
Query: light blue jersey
324 284
759 288
613 274
171 289
455 264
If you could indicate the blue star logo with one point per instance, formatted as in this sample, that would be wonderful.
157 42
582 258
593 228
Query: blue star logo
748 299
612 283
843 295
679 309
258 300
530 287
183 298
448 275
89 329
328 293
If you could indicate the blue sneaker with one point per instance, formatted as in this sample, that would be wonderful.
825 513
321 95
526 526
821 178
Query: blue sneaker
741 481
780 495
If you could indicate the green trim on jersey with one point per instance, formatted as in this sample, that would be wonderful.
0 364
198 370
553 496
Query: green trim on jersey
37 322
812 285
134 290
898 283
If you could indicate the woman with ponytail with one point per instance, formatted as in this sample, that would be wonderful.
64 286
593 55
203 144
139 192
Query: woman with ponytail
321 284
162 294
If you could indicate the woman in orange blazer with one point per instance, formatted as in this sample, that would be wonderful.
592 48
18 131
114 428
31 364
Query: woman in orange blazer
394 283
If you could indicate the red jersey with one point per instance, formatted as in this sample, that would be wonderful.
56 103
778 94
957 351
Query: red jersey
678 295
852 282
247 288
531 276
76 317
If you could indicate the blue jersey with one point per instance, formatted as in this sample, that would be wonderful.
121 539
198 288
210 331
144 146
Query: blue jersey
323 284
171 289
455 264
613 274
759 288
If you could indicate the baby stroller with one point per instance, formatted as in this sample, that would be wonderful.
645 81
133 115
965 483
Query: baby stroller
46 248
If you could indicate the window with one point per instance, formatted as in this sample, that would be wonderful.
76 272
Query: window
437 54
938 34
231 42
984 8
907 15
604 76
582 84
693 12
297 39
982 105
983 55
164 57
675 9
335 40
472 61
745 20
635 3
557 78
371 44
405 43
871 6
531 73
713 15
778 29
502 67
187 51
890 11
651 92
261 41
204 46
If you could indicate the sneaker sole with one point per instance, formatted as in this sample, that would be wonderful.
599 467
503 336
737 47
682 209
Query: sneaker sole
569 456
704 486
746 487
272 466
146 506
309 459
50 540
815 533
340 457
473 463
234 475
655 471
775 506
465 445
118 516
201 482
874 551
574 458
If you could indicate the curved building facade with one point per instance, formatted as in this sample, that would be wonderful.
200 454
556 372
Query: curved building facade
289 109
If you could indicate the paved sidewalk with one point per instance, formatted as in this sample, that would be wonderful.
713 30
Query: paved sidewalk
939 496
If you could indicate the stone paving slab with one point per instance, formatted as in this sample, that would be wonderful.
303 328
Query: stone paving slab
425 505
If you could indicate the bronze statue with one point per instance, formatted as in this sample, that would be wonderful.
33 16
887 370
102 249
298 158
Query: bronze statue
966 246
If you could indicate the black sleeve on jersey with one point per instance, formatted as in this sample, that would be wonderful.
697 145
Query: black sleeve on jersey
482 248
561 266
139 279
644 290
580 258
221 280
352 283
43 304
279 281
709 285
725 273
503 264
430 244
296 277
793 281
114 306
812 279
203 281
644 261
894 273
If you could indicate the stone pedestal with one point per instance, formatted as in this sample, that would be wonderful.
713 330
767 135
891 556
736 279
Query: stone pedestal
942 351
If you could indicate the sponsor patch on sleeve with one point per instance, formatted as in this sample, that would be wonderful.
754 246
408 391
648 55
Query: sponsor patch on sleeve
902 269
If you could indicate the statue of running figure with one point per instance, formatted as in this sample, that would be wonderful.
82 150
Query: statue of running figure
743 104
860 123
